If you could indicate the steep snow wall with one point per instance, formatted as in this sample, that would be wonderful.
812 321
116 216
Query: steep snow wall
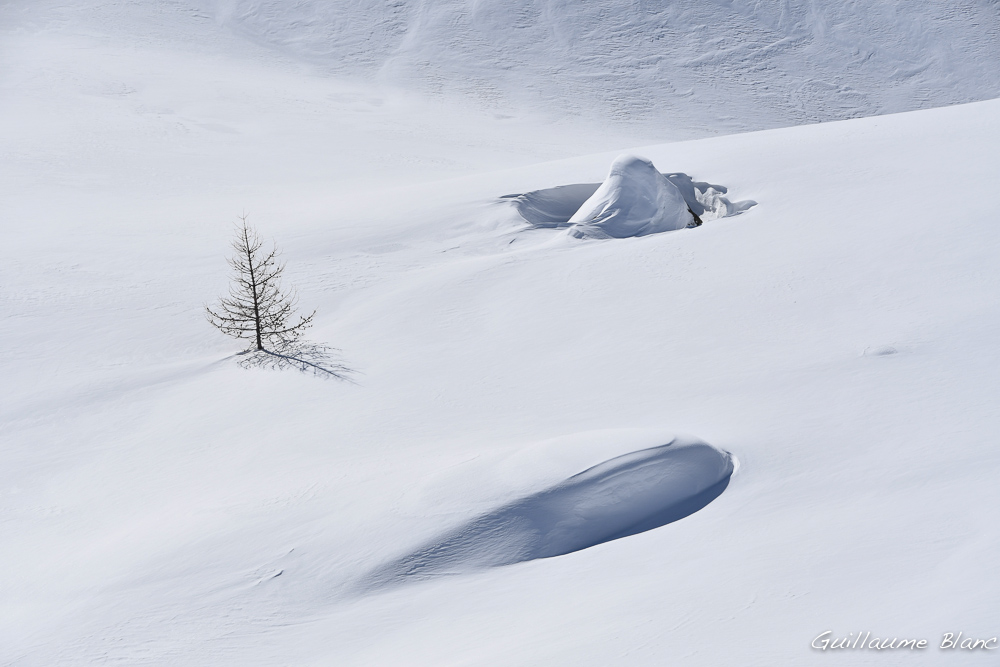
690 67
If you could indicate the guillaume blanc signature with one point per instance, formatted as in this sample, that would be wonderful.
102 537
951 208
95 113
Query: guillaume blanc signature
825 641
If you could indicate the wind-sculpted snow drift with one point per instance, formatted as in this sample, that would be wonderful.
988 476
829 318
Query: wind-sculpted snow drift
634 200
623 496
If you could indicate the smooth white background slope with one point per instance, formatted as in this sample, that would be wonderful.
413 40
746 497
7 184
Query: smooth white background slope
151 491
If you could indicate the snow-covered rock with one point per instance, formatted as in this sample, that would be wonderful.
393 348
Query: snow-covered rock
553 207
634 200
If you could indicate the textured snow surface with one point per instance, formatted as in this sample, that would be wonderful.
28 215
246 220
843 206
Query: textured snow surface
686 66
634 200
160 505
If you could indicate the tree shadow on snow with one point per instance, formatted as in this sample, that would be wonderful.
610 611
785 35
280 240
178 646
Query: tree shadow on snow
319 360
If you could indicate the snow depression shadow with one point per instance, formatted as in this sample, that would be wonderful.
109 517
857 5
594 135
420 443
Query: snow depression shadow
552 208
623 496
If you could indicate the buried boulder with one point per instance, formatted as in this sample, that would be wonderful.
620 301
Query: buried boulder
634 200
553 208
620 497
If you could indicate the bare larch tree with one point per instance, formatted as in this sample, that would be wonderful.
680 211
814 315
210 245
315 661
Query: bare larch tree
258 307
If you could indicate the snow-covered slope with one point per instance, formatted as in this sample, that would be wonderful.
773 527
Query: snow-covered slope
160 505
164 505
675 68
652 70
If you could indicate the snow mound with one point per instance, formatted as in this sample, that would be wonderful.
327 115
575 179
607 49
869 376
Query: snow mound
634 200
552 208
623 496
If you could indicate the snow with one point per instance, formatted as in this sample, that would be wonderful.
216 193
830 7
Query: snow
554 207
161 505
623 496
634 200
676 70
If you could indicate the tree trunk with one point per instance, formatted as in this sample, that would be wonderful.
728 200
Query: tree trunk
253 284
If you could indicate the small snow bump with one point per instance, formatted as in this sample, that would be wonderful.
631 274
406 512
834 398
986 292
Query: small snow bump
880 351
